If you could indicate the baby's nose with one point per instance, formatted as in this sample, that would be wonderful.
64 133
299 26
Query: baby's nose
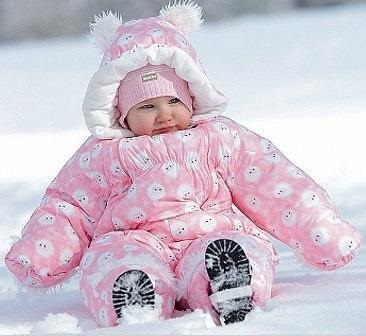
164 115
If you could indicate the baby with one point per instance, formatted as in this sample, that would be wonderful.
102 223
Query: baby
165 206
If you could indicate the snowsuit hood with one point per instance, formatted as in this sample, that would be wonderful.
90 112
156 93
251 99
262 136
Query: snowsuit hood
132 45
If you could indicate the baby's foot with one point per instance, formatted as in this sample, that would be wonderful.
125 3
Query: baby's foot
132 288
228 269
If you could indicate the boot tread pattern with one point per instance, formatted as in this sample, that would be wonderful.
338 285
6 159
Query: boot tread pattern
228 267
132 288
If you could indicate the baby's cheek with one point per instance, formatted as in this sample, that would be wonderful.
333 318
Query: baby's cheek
140 123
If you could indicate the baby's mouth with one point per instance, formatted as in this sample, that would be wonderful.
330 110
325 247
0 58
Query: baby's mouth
163 130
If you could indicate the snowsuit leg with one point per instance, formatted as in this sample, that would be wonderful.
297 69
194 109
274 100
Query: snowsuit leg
194 286
115 253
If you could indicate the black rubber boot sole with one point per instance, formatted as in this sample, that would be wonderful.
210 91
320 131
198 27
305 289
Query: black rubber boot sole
228 268
132 288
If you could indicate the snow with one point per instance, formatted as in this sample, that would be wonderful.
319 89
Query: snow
298 78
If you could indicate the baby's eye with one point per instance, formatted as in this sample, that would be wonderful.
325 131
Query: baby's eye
174 101
147 106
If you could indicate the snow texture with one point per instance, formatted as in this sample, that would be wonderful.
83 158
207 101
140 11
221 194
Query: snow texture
297 78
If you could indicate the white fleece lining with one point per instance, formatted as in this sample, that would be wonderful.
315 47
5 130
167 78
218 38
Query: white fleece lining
231 293
100 98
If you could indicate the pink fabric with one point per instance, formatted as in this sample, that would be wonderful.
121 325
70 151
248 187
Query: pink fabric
137 34
151 82
115 253
166 195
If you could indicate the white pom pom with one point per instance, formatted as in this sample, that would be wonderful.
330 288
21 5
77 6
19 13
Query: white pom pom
185 15
103 28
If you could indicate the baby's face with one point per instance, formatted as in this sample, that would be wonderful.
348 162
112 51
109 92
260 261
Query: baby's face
158 116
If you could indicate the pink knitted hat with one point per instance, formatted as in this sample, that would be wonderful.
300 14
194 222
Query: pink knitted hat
151 81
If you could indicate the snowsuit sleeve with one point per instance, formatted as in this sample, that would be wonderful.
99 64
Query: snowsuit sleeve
282 200
59 231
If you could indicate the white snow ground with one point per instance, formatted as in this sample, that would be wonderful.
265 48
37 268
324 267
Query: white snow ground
298 78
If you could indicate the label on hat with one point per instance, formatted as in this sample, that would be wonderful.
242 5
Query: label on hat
151 76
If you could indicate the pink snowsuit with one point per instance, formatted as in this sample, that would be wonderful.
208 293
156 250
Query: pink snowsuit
155 203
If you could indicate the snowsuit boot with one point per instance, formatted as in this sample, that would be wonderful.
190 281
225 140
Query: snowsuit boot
230 277
132 288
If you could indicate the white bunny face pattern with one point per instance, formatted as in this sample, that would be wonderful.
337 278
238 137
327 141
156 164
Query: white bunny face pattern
71 234
288 217
185 136
44 247
65 256
282 190
310 198
65 208
208 223
81 197
184 191
252 174
155 191
192 160
156 32
171 168
126 39
347 245
24 260
267 146
84 160
253 202
117 169
47 219
136 215
179 229
320 236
